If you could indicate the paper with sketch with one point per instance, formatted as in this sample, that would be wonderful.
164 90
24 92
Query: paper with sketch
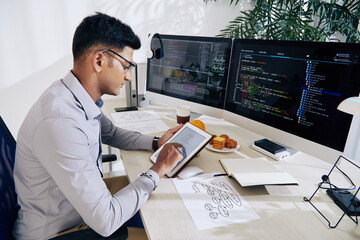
134 116
146 127
209 207
145 122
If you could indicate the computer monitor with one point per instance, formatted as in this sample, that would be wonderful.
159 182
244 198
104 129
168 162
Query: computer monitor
295 86
192 68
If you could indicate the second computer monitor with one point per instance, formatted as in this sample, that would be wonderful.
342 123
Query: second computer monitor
190 68
295 86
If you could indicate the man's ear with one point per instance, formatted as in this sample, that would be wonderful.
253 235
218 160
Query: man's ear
98 61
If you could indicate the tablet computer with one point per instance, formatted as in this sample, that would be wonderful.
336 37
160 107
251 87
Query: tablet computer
193 140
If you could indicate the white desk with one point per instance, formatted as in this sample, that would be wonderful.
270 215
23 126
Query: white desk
281 217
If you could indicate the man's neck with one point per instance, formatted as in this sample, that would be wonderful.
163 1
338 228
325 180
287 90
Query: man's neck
88 81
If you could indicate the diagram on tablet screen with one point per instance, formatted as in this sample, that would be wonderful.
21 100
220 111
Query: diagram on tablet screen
189 139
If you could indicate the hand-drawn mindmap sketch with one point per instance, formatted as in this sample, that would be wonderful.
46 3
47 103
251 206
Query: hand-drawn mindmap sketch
211 207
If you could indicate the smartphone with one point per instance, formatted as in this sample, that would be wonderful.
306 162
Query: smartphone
269 146
123 109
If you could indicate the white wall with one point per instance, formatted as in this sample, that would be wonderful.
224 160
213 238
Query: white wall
36 37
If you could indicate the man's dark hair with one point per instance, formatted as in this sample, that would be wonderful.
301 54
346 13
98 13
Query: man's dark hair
101 29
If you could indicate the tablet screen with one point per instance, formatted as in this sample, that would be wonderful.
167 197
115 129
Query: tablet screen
193 140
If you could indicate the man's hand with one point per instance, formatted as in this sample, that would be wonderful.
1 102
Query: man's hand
168 134
167 159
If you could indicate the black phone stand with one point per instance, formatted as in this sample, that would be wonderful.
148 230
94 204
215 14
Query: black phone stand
343 198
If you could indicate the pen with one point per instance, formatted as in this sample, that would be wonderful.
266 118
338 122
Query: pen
221 174
210 185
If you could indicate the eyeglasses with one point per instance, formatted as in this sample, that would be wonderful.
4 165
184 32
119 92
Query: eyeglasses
127 69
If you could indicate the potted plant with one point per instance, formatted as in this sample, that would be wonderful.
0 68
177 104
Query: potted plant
297 20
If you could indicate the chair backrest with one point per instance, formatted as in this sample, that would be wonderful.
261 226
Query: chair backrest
8 199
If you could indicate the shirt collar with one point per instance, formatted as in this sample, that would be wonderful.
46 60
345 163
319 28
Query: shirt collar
91 109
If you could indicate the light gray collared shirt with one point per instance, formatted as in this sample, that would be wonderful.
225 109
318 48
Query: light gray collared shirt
58 166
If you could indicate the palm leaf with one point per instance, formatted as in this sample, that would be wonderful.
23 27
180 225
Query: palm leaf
300 20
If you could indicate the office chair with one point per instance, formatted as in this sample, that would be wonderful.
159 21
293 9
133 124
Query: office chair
8 199
108 158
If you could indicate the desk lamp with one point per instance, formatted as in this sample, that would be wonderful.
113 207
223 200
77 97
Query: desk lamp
350 105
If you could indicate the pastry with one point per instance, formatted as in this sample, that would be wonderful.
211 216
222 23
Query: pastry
219 142
211 141
230 143
224 136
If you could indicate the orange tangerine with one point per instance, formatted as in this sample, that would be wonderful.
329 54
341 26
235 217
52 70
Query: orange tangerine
199 124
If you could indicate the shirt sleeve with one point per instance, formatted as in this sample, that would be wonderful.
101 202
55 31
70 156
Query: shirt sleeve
68 160
122 138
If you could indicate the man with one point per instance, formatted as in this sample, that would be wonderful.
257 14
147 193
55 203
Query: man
58 168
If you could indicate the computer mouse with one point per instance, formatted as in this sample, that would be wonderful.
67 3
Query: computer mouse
190 171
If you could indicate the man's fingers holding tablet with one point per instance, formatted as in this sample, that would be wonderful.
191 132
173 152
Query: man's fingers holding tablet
168 134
